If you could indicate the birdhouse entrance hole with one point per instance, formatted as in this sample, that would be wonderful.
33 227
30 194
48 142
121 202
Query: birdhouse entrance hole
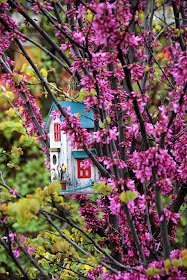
54 159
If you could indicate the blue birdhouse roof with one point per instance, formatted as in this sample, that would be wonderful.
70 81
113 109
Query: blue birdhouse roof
87 119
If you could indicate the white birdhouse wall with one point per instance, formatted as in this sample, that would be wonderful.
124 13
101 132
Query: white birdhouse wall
70 164
53 142
63 149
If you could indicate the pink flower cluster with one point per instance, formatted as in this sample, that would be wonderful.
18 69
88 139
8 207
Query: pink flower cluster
56 114
27 119
143 162
17 250
90 212
140 273
72 125
110 134
180 70
43 5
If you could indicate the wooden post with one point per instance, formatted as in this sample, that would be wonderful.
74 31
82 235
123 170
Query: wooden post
63 184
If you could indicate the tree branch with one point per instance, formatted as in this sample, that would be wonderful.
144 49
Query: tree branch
49 53
177 21
77 247
175 206
45 143
44 35
162 218
173 115
15 260
70 222
135 103
32 260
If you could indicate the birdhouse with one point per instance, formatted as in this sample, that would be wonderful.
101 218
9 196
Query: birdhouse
66 162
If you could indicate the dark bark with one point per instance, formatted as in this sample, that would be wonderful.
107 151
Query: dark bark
177 204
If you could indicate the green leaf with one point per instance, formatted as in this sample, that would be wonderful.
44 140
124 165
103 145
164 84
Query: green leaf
43 72
24 66
146 69
19 127
32 272
26 140
108 119
24 210
184 257
29 71
34 205
9 95
11 112
128 195
7 86
17 78
167 265
2 89
98 186
184 261
89 15
82 94
106 189
15 152
176 263
131 195
5 195
153 271
57 186
123 197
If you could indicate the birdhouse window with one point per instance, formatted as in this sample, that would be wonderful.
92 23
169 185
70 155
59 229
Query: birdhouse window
83 173
56 131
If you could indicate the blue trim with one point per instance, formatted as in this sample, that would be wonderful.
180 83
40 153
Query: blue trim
87 118
82 154
48 116
77 188
77 95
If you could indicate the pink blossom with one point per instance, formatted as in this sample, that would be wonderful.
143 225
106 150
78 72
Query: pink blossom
38 6
79 37
4 219
113 133
115 204
86 163
180 72
16 252
46 160
46 150
64 47
137 71
11 236
30 249
14 191
55 114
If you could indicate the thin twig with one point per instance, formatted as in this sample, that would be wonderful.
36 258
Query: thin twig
32 260
15 260
100 250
